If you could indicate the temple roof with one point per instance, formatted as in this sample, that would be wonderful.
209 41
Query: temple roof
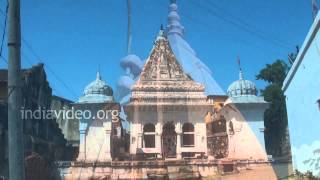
163 71
163 81
184 54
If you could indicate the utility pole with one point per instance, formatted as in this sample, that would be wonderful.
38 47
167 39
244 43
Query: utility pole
129 38
15 123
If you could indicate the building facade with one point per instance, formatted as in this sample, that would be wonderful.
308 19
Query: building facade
244 113
301 88
101 133
44 142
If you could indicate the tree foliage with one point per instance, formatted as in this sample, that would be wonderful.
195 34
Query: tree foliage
274 73
275 116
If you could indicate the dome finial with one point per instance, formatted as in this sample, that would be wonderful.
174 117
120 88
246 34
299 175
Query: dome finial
98 75
240 69
241 75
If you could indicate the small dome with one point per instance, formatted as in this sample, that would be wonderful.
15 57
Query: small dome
242 87
97 91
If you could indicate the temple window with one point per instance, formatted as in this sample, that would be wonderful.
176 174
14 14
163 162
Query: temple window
188 134
149 136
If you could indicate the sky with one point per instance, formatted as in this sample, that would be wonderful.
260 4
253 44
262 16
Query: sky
76 38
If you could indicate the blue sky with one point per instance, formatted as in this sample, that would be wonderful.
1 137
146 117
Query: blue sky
76 37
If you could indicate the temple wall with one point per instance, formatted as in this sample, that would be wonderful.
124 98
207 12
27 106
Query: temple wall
302 91
69 127
192 169
246 141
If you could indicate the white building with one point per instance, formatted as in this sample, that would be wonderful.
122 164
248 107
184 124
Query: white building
244 112
167 108
96 132
302 90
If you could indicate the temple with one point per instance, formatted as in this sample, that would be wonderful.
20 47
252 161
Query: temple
181 123
167 108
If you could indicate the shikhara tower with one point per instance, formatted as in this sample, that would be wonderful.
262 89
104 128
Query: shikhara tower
184 54
167 108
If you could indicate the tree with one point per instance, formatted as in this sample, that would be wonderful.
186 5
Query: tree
275 117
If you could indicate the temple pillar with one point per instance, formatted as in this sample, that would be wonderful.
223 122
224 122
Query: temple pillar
135 141
108 145
82 146
179 132
140 139
158 139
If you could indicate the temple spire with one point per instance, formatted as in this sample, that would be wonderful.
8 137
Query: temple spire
174 26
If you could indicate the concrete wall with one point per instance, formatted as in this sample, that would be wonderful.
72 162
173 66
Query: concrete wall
302 90
247 140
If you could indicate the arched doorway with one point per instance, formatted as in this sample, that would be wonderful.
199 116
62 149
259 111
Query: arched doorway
169 141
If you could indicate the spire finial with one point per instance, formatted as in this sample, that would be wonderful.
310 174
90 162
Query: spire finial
98 75
240 69
174 26
161 32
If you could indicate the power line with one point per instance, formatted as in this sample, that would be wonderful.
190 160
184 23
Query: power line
49 68
214 5
4 59
239 25
210 28
36 55
4 33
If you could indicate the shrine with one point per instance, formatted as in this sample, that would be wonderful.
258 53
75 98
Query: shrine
167 108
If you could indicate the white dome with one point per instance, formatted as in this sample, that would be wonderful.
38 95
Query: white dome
242 87
97 91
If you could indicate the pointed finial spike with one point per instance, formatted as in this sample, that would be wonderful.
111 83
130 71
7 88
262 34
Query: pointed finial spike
98 75
240 75
240 69
161 32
